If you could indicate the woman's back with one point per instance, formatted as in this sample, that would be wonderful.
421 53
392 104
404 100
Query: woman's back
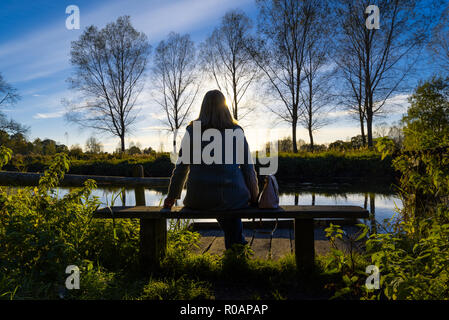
216 162
216 179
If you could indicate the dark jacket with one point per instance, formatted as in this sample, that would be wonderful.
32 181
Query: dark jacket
214 186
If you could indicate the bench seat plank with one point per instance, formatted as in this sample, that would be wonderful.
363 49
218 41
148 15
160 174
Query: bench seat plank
297 212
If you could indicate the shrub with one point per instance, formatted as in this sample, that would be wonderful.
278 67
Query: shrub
42 233
413 259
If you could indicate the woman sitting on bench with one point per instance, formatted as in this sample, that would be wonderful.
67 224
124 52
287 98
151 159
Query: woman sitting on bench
222 178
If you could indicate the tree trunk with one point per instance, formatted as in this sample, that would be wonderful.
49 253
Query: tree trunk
369 127
295 146
311 138
122 143
174 141
362 129
234 89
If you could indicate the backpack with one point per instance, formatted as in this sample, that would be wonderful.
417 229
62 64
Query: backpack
269 197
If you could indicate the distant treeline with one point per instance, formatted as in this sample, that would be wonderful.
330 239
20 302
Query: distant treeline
19 144
326 166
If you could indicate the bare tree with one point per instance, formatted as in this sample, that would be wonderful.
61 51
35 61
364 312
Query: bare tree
318 71
387 55
109 64
226 59
94 146
9 96
352 96
176 76
11 126
440 40
284 27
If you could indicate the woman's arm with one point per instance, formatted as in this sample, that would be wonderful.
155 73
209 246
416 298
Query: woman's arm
178 177
177 180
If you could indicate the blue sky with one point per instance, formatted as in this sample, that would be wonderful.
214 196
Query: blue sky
34 58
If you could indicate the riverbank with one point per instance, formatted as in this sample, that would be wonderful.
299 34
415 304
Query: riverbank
305 167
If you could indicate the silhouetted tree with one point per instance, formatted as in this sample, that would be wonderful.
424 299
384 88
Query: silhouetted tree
386 55
9 96
440 41
226 59
176 78
284 27
318 71
108 69
352 95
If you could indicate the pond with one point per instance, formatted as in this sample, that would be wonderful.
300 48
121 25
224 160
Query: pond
382 203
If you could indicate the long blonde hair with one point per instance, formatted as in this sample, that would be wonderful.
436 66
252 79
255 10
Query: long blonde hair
214 112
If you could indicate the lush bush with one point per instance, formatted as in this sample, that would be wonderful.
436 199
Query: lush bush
41 234
334 166
414 264
155 165
413 258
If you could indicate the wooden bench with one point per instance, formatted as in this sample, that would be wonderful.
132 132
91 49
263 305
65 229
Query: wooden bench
153 226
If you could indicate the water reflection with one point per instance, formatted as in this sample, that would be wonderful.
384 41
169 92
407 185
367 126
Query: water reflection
381 205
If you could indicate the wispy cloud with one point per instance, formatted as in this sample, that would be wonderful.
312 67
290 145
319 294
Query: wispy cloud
50 115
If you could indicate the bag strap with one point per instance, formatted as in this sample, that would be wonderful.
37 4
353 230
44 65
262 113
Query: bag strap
254 230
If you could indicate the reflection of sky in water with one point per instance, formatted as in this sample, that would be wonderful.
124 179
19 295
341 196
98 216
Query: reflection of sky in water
384 204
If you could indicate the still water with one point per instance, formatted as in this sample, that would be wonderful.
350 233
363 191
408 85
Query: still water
382 205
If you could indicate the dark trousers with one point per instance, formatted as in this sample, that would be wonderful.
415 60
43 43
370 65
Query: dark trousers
233 230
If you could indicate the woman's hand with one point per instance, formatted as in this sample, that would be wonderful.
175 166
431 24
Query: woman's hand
168 203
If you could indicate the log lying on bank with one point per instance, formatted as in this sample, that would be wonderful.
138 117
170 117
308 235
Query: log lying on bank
8 178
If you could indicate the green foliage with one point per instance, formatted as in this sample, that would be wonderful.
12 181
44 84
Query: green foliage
347 266
155 164
334 165
424 164
414 258
180 237
177 289
413 265
5 155
236 260
42 233
427 119
386 146
306 166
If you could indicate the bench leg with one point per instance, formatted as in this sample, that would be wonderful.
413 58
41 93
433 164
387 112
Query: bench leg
304 244
153 243
153 232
